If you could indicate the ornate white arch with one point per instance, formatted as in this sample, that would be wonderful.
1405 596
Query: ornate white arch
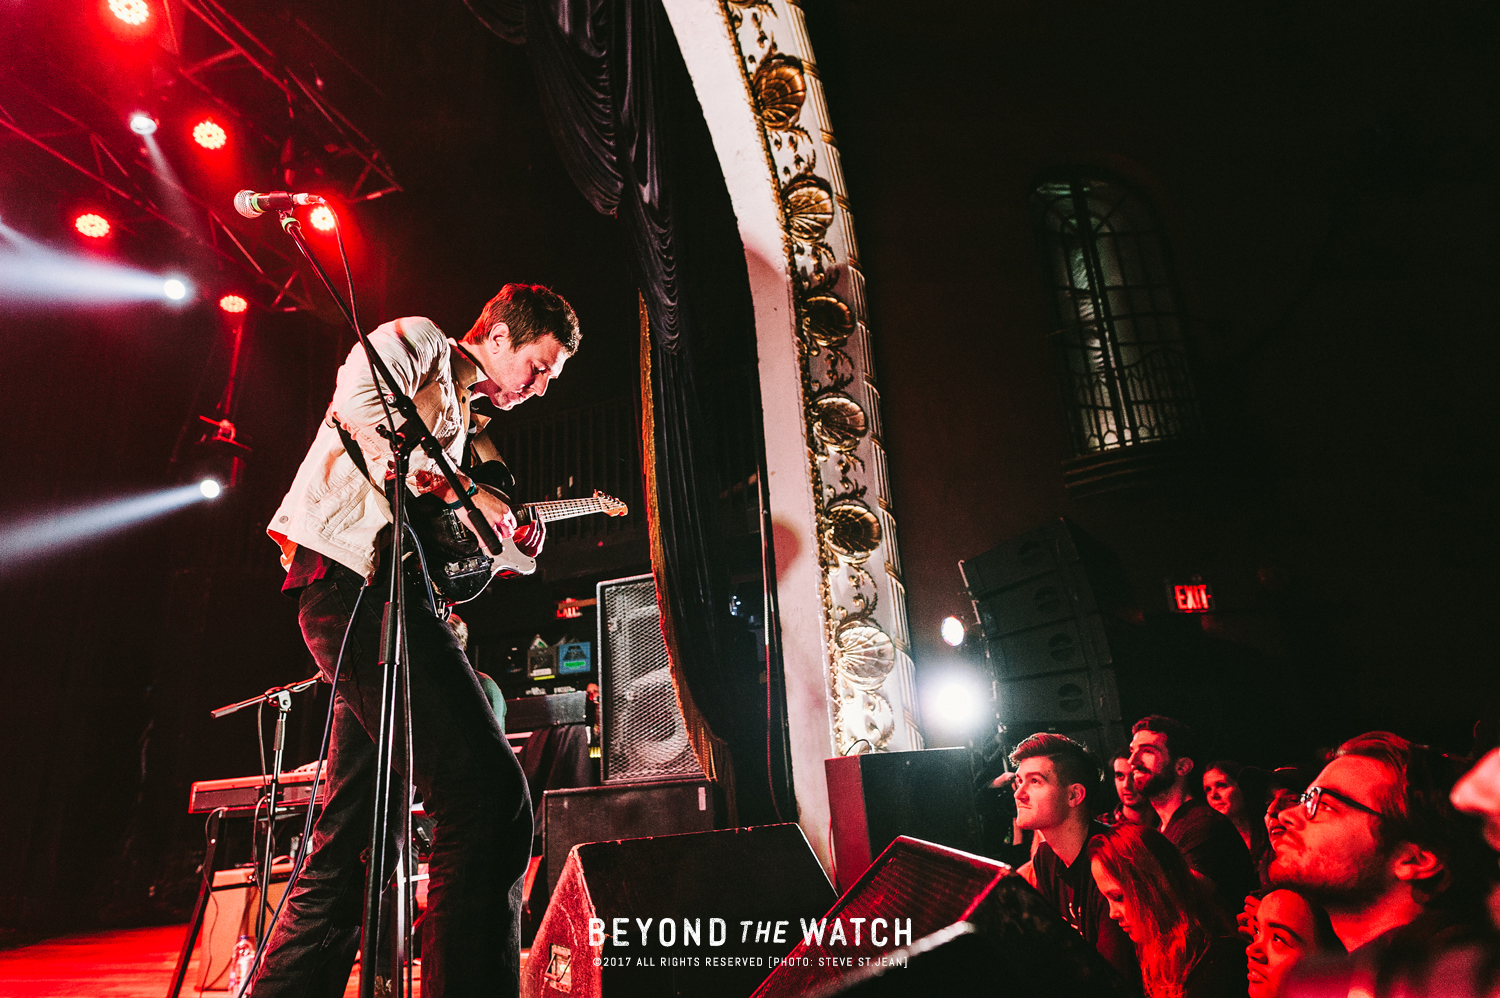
844 633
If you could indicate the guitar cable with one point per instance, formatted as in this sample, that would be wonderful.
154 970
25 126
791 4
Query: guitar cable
432 599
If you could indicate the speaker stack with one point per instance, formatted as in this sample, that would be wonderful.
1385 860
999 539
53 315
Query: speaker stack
653 784
1038 602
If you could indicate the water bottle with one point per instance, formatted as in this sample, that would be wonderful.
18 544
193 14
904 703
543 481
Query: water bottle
239 965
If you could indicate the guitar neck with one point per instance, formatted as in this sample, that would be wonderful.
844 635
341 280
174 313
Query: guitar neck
564 509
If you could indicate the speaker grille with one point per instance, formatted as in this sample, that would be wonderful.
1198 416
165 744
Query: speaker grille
644 737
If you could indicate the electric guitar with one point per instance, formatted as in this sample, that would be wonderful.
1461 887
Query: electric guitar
458 566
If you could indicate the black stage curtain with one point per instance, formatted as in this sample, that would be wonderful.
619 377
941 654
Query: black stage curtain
627 123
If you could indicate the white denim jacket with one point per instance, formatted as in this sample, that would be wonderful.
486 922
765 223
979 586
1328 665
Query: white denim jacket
332 507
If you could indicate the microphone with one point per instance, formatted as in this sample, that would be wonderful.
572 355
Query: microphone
253 205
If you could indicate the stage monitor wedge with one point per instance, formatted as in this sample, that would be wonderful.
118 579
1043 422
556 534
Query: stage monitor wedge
704 888
927 920
600 814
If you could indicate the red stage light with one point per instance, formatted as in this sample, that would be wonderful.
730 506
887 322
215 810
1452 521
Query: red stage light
209 135
91 225
132 12
233 304
322 218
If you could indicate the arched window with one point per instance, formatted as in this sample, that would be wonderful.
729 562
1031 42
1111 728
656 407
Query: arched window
1121 349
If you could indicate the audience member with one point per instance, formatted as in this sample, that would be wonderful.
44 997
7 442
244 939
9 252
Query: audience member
1163 757
1286 787
1380 881
1053 778
1239 793
1183 940
1376 841
1478 793
1284 928
1131 809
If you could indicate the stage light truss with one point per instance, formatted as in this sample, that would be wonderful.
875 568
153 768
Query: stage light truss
264 98
219 62
271 268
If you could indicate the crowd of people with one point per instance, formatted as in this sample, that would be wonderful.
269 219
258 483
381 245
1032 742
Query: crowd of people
1201 878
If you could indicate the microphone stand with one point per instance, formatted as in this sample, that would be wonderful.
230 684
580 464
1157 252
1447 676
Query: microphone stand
412 433
281 696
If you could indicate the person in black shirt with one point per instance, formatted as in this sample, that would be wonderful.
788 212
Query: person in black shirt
1163 754
1053 777
1240 793
1132 808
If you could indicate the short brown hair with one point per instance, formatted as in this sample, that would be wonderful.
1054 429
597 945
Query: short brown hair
1416 808
1071 760
530 311
1182 741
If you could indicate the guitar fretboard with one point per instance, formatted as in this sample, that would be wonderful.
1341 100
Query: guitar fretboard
563 509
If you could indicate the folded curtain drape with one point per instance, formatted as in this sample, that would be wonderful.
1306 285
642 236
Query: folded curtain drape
622 111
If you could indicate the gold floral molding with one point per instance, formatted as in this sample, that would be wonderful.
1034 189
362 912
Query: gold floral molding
870 682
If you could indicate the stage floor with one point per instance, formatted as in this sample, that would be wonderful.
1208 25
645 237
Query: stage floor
120 963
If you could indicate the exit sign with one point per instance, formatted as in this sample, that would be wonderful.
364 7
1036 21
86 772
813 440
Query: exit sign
572 609
1191 597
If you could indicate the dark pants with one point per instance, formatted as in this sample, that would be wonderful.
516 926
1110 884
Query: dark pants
470 782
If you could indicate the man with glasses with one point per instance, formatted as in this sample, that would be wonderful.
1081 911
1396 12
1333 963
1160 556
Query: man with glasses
1376 842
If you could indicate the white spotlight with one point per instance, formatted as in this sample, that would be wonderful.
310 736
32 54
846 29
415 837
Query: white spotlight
174 289
23 541
953 631
142 123
958 703
209 488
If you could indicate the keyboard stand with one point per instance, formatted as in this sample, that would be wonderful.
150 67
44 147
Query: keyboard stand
194 926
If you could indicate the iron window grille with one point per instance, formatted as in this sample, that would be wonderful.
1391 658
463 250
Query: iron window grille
1120 343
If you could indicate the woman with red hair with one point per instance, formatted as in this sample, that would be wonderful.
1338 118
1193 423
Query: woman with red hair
1187 948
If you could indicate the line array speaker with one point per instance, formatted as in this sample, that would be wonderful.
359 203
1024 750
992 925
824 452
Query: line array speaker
1038 603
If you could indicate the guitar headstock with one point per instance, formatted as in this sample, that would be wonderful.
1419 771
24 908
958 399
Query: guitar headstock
609 505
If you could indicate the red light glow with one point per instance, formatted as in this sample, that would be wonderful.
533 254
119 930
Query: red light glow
209 135
91 225
233 304
133 12
322 218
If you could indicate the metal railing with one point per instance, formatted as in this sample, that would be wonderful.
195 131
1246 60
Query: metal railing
1121 392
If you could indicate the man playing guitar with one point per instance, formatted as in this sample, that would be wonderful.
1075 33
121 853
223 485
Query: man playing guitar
334 531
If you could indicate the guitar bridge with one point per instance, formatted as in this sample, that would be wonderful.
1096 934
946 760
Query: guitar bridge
477 565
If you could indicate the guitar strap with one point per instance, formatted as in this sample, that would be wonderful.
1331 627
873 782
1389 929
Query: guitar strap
352 449
478 448
358 457
467 418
